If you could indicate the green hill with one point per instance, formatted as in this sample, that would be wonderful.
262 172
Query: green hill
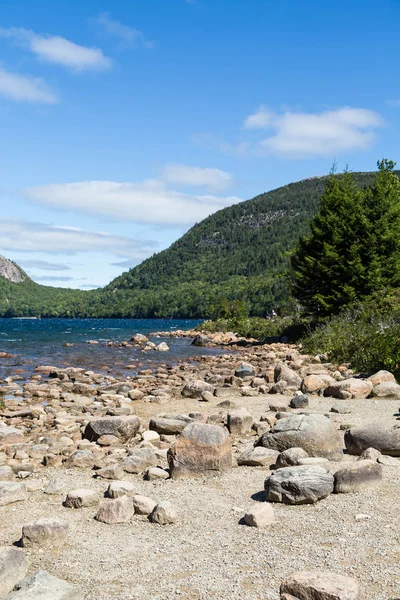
240 252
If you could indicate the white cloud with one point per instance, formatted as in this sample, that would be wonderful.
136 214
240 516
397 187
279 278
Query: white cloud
302 135
213 179
58 50
26 236
23 88
262 119
43 265
149 201
129 36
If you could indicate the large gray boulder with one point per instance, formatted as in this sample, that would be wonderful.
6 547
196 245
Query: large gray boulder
124 428
13 568
298 485
201 449
385 438
313 433
44 533
358 476
319 585
43 586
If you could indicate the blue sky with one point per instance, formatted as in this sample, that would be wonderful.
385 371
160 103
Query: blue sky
124 123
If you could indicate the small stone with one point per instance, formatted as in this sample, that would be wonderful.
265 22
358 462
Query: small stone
150 436
6 473
340 409
207 396
156 473
116 489
119 510
362 517
110 472
143 505
258 457
315 461
81 498
12 491
370 454
299 401
44 533
319 585
55 486
261 516
290 457
388 461
163 514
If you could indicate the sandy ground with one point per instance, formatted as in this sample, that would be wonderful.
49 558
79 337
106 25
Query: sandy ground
208 554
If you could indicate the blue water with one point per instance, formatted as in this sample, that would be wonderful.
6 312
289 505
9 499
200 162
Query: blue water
36 342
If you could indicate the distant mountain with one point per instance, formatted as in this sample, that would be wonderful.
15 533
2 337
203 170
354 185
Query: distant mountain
11 271
240 252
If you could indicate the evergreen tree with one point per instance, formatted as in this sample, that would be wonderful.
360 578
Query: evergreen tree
354 245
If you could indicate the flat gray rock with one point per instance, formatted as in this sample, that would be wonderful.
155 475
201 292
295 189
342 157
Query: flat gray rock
357 477
319 585
12 491
298 485
43 586
13 568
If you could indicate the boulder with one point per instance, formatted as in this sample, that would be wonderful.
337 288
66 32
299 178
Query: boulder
319 585
167 426
385 438
13 568
120 488
12 491
245 370
239 421
299 401
143 505
10 435
357 477
81 498
201 340
314 433
163 347
44 533
124 428
284 373
201 449
349 388
156 474
258 457
386 389
312 384
80 459
119 510
261 516
193 389
290 457
163 514
139 460
381 377
41 585
298 485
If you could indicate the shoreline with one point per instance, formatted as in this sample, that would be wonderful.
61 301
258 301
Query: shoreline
47 451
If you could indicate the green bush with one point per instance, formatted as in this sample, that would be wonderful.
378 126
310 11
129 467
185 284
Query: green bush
366 335
258 328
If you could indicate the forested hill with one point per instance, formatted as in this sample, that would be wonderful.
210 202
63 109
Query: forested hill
238 253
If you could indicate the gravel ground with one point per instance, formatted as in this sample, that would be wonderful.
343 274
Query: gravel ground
208 554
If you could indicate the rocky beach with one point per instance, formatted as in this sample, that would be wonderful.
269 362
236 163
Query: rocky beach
255 472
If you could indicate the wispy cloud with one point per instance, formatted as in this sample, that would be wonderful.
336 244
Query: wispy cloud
27 236
58 50
23 88
52 278
213 179
43 265
211 141
148 201
303 135
128 36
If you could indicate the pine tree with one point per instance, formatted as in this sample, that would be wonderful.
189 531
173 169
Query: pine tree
354 245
